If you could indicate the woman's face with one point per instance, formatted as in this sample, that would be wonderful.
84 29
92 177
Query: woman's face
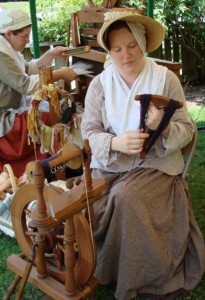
20 40
125 52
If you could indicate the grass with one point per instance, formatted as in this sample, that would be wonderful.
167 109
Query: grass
197 170
9 246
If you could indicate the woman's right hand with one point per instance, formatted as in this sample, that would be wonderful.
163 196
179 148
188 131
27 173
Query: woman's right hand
130 142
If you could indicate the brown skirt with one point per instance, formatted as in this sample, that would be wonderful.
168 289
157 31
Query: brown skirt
147 238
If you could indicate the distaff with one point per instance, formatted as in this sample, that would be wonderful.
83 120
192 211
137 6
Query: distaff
159 102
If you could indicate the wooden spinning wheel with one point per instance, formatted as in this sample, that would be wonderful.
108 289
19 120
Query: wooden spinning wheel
44 216
24 202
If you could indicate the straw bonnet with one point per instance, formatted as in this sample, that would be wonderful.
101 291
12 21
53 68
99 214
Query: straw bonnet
13 19
155 32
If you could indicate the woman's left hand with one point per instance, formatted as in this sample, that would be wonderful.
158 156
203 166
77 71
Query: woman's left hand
154 117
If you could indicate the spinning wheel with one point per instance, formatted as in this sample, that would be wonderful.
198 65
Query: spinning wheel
24 201
45 216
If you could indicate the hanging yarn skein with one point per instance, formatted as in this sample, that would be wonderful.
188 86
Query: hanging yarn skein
51 138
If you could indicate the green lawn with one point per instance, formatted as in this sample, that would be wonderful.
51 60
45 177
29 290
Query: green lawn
197 188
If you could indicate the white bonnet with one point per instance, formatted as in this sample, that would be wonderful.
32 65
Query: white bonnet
13 19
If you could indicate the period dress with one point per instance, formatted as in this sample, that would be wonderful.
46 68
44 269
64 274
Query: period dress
147 238
17 78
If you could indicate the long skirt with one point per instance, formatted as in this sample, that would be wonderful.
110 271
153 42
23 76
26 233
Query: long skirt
15 149
147 239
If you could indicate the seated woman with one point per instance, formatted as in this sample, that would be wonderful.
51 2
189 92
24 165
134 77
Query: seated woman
148 241
17 79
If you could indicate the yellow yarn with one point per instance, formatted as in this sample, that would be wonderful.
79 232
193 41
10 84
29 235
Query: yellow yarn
46 92
52 94
32 123
46 132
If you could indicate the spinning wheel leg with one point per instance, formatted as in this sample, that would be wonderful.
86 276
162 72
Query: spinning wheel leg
69 239
41 266
12 288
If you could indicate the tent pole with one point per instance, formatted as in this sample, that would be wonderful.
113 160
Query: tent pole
36 47
150 9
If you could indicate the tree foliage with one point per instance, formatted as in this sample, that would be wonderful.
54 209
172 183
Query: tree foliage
53 26
185 24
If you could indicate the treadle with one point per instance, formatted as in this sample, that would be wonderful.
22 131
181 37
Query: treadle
48 285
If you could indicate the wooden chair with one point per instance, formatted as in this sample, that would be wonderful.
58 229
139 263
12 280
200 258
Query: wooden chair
84 27
188 153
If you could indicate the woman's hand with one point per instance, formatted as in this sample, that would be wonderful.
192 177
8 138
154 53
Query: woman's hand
67 74
154 117
131 142
49 55
58 51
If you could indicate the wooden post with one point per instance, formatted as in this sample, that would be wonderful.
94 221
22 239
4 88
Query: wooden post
69 239
45 76
40 255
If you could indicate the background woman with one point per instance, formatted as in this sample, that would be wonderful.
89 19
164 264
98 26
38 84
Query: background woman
17 79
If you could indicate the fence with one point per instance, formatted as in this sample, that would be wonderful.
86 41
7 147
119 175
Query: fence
173 52
185 45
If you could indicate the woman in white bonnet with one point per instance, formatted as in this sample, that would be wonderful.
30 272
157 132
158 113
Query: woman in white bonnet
18 78
148 241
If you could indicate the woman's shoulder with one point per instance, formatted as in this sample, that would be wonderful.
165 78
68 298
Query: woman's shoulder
96 79
173 88
172 76
95 92
95 84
